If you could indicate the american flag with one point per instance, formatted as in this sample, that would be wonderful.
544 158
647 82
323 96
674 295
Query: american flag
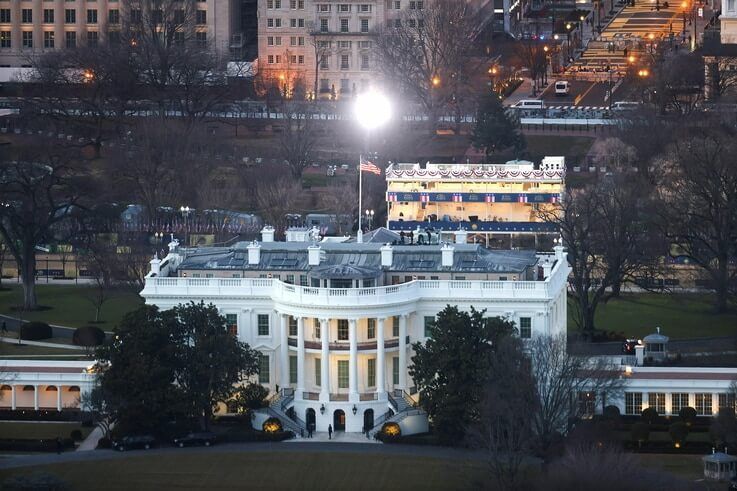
489 198
522 198
391 197
457 197
554 199
424 197
368 166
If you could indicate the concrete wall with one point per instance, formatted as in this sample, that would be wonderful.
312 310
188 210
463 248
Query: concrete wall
412 425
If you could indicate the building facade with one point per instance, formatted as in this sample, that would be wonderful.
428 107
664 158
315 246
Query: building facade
30 28
44 384
497 205
335 321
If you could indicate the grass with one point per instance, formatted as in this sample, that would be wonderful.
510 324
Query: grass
37 431
13 350
234 470
680 316
70 306
572 147
684 466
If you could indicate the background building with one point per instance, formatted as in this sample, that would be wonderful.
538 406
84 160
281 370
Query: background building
496 204
30 28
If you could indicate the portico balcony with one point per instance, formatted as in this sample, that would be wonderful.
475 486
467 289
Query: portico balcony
345 345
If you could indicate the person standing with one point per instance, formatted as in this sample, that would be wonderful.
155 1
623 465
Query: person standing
4 329
330 432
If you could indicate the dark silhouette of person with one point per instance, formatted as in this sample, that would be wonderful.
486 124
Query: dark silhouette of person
411 238
5 329
330 432
58 445
401 236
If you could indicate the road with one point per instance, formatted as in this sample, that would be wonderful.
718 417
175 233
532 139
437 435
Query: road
582 94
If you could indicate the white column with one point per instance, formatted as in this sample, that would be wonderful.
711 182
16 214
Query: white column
284 352
353 362
58 397
35 397
380 360
12 397
300 357
403 352
325 361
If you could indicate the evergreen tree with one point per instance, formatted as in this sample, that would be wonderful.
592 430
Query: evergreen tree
451 368
494 129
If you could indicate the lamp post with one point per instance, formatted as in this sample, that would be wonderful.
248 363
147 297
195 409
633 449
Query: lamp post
185 211
369 218
609 70
569 26
372 110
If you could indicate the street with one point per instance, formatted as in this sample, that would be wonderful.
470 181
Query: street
582 93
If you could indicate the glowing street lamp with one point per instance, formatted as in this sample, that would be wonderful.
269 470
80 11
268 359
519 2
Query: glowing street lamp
372 110
435 81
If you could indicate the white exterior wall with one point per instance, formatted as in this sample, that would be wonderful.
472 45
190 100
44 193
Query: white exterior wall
40 375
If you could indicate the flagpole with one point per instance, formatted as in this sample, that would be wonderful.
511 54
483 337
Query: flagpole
359 234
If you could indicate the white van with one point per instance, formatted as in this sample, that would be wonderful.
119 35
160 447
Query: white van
562 87
530 104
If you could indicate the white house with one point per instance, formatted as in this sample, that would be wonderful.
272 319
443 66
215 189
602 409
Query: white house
334 321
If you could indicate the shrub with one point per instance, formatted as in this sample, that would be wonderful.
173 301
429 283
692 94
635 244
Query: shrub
35 331
88 336
391 429
688 415
723 429
38 480
650 415
104 442
640 433
76 435
611 413
251 397
272 425
678 432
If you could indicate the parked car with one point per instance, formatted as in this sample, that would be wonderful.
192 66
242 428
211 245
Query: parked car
205 438
562 88
628 347
134 442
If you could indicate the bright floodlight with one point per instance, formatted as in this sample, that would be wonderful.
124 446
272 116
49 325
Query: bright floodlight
372 109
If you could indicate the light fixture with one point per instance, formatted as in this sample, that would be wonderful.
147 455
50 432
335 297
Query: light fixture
355 410
372 109
322 408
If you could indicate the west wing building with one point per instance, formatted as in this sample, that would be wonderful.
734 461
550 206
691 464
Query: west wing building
335 321
498 205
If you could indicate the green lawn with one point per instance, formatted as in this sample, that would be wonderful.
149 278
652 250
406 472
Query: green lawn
41 430
684 466
243 470
70 305
679 316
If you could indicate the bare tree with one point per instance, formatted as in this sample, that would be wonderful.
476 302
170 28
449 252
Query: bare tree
101 263
340 200
297 135
38 196
533 56
322 46
726 82
504 432
426 53
679 83
561 378
699 205
276 198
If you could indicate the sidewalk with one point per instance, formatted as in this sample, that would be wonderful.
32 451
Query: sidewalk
524 91
90 443
338 437
40 343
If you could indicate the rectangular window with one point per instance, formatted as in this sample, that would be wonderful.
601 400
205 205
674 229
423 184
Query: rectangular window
342 329
364 25
429 320
201 39
678 401
70 39
703 404
318 372
5 16
656 400
231 321
292 369
344 62
48 16
342 374
5 39
263 324
633 403
371 328
292 326
323 25
113 16
727 403
92 16
264 369
343 25
324 82
27 39
201 17
525 327
395 370
26 16
303 280
48 39
344 8
364 61
586 404
70 16
364 7
92 38
371 372
395 326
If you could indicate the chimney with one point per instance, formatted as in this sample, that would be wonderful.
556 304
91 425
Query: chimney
447 255
313 255
640 355
254 253
461 236
267 234
547 269
387 256
560 254
155 265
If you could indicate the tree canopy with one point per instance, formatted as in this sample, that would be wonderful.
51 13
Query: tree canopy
494 129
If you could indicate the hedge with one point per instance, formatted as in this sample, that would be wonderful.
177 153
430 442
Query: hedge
35 331
257 436
88 336
44 415
28 445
